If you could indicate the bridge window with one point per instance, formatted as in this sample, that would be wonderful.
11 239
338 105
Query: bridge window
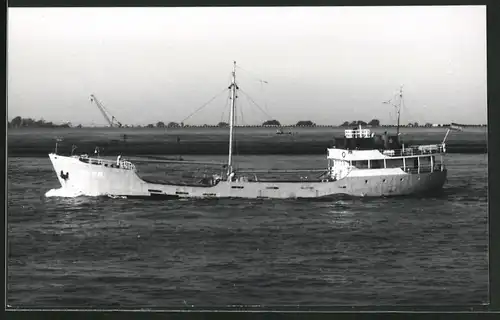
425 164
330 163
361 164
394 163
376 164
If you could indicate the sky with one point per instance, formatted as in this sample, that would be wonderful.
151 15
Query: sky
327 65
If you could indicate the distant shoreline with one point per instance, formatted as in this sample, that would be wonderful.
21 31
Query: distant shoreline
247 126
213 140
20 122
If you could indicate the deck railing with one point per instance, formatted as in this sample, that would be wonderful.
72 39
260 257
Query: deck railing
410 168
415 150
424 168
123 164
357 133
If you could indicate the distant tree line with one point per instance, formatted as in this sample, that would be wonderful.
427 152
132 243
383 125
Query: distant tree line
276 123
268 123
376 123
302 123
19 122
373 123
161 124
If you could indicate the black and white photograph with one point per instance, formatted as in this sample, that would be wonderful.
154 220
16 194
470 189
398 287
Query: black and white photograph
214 157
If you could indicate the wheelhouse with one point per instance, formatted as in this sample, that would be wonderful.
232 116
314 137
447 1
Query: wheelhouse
361 149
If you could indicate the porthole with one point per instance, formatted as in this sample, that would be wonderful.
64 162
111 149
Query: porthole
366 181
402 179
383 180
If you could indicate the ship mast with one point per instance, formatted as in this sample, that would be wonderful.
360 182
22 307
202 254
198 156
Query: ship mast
233 88
399 109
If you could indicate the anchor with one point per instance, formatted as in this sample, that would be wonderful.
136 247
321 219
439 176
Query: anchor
64 176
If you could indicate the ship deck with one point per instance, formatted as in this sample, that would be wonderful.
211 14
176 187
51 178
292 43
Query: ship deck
160 181
154 180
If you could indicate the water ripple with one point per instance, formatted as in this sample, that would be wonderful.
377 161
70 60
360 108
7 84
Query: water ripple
101 252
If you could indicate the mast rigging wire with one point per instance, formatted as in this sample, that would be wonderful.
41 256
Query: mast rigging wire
255 103
253 75
224 110
203 106
241 116
249 103
259 79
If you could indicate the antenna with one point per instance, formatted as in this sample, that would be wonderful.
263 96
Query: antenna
231 119
397 106
58 139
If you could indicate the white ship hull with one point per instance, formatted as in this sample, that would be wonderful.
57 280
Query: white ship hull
87 179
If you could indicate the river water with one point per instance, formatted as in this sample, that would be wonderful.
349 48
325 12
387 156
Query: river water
109 253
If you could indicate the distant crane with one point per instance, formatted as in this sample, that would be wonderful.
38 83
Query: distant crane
105 113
